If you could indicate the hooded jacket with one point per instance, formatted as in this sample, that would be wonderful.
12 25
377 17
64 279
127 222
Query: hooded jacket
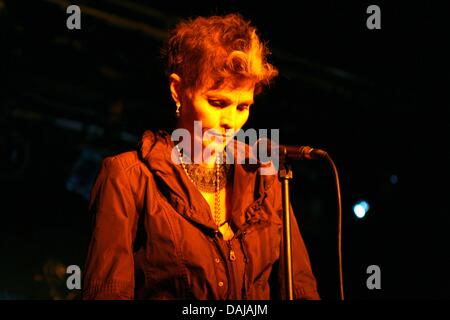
154 236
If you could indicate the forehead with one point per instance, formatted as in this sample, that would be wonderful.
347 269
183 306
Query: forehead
240 93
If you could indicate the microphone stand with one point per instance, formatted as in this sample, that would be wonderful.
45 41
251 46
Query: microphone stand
285 174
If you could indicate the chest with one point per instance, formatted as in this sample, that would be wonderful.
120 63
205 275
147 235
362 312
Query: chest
221 200
220 205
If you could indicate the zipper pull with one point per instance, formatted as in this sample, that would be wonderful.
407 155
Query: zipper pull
232 254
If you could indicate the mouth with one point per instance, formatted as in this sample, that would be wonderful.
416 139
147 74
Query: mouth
222 135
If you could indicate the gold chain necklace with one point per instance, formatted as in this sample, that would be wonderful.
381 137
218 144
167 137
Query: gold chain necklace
208 180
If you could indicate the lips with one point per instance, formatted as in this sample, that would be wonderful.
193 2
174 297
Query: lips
222 135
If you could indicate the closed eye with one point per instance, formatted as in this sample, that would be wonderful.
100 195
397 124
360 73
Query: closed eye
243 107
217 103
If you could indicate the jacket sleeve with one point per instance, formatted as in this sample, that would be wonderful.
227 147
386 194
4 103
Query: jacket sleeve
304 282
109 268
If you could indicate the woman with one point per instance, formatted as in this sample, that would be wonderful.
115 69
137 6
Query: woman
172 222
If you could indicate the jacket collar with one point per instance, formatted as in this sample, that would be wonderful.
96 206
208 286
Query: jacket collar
249 187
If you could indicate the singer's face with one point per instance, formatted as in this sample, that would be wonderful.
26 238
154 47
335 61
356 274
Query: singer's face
219 110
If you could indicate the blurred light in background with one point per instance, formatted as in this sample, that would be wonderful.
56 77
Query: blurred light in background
360 209
393 179
84 172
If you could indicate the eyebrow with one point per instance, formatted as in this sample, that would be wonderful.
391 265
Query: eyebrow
226 99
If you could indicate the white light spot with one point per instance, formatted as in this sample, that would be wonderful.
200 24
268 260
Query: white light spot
360 209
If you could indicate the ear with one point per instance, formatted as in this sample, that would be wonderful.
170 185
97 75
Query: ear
175 87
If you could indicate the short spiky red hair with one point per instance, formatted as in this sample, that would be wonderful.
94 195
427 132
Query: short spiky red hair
218 50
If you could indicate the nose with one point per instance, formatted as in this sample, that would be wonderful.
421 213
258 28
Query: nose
228 118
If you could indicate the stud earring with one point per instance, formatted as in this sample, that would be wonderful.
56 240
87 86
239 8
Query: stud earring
177 112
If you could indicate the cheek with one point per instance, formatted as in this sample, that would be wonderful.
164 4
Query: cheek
206 114
210 118
242 119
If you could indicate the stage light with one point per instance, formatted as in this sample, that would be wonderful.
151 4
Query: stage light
360 209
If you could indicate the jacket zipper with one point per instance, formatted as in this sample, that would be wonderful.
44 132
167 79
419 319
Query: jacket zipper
232 254
229 265
244 251
240 235
232 258
226 263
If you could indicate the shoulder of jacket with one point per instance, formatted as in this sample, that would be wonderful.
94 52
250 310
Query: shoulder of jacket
122 162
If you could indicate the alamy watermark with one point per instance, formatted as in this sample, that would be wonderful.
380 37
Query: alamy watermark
238 147
374 280
74 20
374 20
74 279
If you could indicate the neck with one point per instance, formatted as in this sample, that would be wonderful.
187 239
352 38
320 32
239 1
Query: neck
206 163
211 163
196 149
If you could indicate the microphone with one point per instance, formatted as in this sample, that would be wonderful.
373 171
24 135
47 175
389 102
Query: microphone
300 152
267 149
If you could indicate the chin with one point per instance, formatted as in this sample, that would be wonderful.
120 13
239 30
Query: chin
215 147
212 145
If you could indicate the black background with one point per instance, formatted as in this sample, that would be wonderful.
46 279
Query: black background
374 99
